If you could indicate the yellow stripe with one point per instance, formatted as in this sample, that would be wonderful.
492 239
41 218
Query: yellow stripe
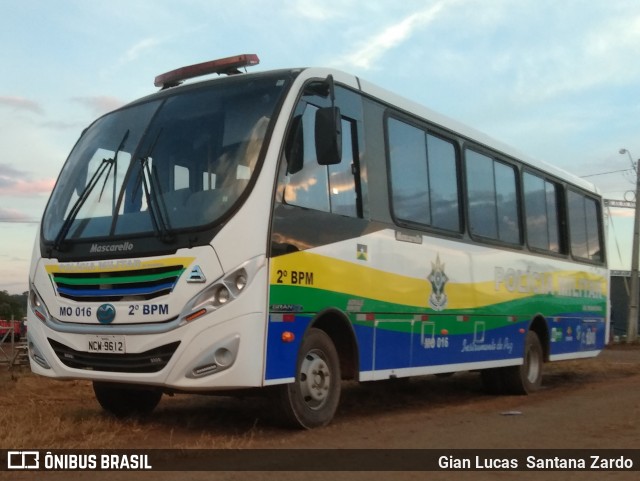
116 265
349 278
366 282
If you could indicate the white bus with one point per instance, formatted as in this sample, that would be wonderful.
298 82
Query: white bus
289 229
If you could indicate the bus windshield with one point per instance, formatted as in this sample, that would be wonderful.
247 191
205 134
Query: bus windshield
174 162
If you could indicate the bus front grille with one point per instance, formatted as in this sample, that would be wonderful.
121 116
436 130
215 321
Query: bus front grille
153 360
114 286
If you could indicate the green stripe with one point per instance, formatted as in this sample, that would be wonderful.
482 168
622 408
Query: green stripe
81 281
312 300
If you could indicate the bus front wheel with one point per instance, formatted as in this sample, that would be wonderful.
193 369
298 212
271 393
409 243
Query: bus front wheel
125 401
312 399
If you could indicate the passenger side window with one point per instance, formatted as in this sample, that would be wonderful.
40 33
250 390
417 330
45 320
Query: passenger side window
541 207
493 198
424 180
584 227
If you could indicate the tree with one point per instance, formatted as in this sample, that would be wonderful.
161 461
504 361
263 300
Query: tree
13 306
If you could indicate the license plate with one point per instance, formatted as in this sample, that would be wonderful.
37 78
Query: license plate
107 344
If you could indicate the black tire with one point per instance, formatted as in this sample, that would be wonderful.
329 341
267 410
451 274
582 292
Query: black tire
526 378
523 379
126 401
311 401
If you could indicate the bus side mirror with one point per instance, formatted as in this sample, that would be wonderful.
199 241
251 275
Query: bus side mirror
328 136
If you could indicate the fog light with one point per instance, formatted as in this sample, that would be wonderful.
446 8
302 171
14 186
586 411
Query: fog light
217 358
35 354
223 356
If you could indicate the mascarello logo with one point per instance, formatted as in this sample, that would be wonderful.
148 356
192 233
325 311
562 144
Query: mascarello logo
106 313
121 247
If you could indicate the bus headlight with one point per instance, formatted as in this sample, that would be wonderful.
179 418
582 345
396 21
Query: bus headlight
221 292
37 305
241 280
222 296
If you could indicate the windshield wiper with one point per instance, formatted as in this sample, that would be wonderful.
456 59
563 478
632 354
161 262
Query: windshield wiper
155 202
105 166
114 164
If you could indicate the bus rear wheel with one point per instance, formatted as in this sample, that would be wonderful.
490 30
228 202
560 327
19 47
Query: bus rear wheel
527 377
312 399
126 401
523 379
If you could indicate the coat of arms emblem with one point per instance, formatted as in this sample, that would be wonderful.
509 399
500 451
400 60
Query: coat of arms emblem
438 299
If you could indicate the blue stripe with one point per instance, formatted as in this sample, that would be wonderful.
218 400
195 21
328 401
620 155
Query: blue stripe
115 292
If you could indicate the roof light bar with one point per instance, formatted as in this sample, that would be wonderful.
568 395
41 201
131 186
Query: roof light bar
228 66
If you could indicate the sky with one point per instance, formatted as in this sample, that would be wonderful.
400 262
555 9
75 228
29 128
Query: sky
559 81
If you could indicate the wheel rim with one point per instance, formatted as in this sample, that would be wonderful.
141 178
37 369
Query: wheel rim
533 366
315 380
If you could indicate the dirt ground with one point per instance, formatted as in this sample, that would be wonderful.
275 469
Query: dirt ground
591 403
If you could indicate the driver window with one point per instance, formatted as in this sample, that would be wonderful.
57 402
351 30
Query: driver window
326 188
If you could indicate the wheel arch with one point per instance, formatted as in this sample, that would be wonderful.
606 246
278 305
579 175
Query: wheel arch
540 326
338 327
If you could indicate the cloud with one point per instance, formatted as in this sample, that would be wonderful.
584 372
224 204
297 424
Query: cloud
392 36
13 215
615 212
61 125
138 52
580 59
318 11
14 182
134 52
7 170
99 105
26 187
20 104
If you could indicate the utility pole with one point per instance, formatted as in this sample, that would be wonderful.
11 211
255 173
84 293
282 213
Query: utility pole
632 321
